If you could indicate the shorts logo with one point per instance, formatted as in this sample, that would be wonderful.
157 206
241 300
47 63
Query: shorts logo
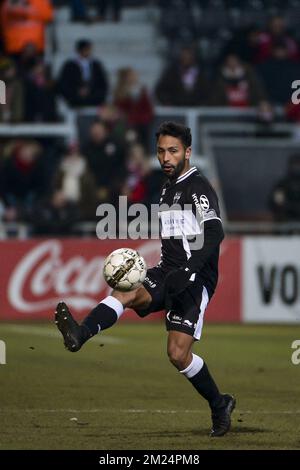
176 317
188 323
173 318
177 197
204 202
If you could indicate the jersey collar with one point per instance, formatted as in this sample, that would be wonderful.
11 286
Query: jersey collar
186 174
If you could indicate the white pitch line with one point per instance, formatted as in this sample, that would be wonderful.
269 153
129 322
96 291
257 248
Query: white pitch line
48 332
133 411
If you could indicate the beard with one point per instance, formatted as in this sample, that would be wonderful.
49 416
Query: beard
173 171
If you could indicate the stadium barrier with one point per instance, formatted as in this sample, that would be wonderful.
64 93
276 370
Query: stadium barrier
259 278
37 274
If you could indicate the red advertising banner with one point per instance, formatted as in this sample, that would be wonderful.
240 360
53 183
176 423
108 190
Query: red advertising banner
37 274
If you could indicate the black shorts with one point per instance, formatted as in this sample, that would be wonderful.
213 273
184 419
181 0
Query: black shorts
188 307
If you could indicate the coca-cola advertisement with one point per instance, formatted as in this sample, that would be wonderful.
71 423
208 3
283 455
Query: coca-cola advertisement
37 274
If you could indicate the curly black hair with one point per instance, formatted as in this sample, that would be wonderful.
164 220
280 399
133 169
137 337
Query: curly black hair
177 130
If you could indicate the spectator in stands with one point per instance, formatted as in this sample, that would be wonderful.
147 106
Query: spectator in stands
27 59
245 43
237 85
178 24
82 80
278 73
13 110
277 32
72 197
78 8
23 178
54 215
136 185
132 98
76 184
40 101
184 82
285 196
80 13
114 121
103 7
105 158
23 22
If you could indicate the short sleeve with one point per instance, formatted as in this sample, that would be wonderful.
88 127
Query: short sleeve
204 200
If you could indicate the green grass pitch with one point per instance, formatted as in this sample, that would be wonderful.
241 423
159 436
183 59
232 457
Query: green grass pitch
121 392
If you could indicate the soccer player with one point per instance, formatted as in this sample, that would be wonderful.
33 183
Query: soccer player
184 280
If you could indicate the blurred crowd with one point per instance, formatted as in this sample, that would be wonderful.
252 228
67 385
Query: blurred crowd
53 189
285 196
104 9
254 67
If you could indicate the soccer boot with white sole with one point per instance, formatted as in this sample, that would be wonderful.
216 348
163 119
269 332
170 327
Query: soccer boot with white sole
221 418
74 335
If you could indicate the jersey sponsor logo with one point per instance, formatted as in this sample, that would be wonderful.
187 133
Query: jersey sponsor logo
204 202
178 223
197 204
177 197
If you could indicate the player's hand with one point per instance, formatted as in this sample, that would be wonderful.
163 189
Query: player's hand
176 281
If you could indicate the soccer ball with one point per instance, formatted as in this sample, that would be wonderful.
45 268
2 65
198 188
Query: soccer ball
124 269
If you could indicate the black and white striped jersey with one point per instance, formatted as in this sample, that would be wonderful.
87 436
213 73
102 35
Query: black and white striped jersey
189 212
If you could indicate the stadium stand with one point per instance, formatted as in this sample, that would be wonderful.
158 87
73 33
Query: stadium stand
246 133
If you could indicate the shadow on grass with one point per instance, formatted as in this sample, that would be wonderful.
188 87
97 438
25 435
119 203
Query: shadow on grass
183 433
237 430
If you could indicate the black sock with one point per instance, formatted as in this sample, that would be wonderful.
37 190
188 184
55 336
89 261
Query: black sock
206 386
100 318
